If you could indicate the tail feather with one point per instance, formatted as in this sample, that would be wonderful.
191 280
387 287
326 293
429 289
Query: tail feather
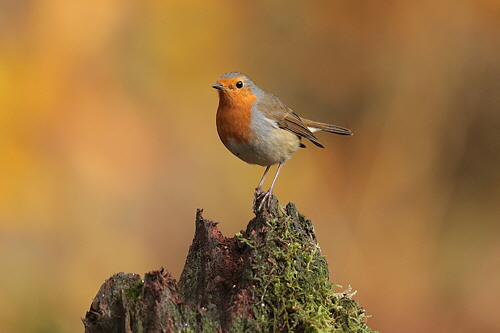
315 126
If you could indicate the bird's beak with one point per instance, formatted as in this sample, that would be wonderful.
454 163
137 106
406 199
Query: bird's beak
218 86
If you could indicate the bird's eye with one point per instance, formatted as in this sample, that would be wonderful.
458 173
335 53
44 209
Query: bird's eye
239 84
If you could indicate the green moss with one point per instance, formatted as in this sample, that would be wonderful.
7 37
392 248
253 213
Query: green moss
292 290
133 291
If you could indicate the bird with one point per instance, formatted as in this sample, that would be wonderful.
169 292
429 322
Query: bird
260 129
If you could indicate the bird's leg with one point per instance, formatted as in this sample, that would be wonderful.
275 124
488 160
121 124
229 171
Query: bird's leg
258 190
265 197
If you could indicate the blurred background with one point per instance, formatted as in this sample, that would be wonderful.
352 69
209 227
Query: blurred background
108 145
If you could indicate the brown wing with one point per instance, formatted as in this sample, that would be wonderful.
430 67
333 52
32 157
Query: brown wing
273 108
327 127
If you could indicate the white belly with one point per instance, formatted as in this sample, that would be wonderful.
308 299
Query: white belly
277 146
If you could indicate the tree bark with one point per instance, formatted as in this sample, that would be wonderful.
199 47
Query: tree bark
269 278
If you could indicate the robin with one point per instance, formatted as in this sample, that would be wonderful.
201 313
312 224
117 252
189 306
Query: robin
259 128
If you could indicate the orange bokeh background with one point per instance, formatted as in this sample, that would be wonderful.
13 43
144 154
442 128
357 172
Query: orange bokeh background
108 145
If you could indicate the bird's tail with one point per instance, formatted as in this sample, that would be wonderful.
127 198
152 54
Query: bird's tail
315 126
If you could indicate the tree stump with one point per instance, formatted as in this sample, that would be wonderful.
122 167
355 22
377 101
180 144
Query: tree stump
269 278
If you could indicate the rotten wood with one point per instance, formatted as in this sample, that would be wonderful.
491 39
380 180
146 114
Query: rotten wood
269 278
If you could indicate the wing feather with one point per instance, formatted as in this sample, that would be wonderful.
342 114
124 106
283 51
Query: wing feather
274 109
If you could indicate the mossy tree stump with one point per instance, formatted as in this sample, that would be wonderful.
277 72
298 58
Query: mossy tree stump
269 278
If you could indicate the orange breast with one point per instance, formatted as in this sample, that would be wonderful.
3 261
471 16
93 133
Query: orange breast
234 115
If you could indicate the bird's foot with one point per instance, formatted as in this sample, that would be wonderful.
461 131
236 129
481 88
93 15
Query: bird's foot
262 200
258 191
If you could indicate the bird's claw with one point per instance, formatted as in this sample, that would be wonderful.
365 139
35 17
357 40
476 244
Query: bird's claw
262 200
